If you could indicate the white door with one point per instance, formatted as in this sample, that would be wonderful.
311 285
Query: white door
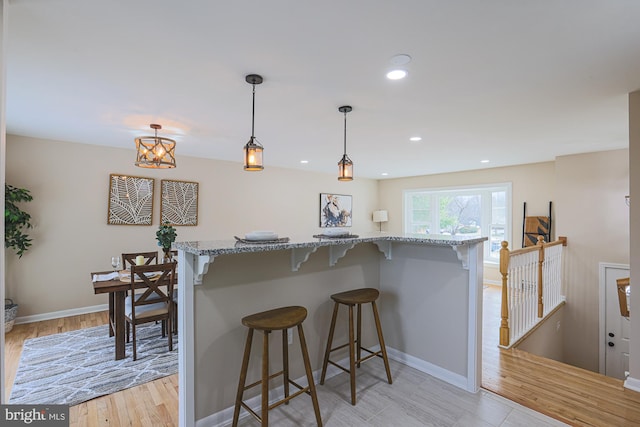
616 327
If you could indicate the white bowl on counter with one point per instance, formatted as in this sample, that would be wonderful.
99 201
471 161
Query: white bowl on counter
261 235
335 232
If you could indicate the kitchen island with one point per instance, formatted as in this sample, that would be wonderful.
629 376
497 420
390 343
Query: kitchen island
430 307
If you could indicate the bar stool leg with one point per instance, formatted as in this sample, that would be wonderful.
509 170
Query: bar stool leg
307 368
383 348
352 359
265 380
329 343
359 334
243 377
285 363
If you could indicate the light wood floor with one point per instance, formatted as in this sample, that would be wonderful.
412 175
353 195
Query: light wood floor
575 396
152 404
572 395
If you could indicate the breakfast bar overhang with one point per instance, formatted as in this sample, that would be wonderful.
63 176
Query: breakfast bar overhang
430 306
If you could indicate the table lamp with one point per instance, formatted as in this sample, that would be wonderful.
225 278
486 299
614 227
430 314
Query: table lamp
380 217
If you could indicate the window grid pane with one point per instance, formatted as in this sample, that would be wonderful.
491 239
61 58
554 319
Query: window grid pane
469 212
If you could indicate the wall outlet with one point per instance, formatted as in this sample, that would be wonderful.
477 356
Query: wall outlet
290 336
557 326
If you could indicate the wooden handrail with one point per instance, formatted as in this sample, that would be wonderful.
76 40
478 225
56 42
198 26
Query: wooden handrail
561 241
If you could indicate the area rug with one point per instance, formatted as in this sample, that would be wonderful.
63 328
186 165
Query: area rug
73 367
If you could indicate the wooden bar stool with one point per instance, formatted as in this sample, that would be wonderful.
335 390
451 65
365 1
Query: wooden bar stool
351 298
279 319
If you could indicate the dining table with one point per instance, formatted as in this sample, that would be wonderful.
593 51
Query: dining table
117 289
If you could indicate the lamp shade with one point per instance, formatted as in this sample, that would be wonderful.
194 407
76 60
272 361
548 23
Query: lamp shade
380 216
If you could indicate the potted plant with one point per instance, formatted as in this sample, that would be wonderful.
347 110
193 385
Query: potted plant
16 221
165 236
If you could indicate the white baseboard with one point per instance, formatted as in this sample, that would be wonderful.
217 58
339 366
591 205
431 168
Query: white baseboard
632 384
61 313
428 368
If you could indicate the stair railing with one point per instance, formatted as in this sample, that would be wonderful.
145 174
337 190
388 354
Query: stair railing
531 287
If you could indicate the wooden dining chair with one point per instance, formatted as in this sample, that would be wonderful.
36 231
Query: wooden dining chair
155 303
129 259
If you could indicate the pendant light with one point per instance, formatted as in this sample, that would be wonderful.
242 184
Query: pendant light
345 165
154 151
253 149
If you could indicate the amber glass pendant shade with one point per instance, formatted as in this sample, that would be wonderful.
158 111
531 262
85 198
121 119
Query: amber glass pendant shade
253 156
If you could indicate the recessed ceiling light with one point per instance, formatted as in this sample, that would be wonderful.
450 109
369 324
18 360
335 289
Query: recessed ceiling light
397 74
384 174
484 161
415 138
400 59
304 161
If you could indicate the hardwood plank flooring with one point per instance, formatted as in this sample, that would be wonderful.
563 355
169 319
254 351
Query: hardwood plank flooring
152 404
572 395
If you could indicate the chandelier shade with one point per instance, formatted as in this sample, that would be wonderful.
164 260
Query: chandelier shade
345 165
155 152
253 149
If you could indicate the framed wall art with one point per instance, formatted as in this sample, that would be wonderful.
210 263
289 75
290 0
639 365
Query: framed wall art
335 210
130 200
179 202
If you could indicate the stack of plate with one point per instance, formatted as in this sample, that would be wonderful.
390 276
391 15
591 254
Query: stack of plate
335 232
261 235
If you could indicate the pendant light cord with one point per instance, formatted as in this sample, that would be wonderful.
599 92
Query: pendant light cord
253 111
345 133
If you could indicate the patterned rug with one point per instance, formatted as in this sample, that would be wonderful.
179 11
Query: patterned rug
73 367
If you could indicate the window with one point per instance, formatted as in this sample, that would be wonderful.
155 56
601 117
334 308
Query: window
483 210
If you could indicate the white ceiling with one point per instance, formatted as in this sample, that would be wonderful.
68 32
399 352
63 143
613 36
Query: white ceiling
512 82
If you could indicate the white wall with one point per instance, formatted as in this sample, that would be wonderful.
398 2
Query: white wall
71 238
4 18
634 186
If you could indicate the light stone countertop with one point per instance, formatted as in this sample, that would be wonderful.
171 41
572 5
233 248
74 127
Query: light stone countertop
222 247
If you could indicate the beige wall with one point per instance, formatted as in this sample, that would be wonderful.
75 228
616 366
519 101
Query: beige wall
70 181
239 284
71 238
548 339
537 196
591 212
587 192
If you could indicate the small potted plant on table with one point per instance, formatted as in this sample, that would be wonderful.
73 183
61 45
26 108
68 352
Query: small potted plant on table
165 236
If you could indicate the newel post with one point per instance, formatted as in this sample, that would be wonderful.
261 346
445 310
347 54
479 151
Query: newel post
504 313
540 246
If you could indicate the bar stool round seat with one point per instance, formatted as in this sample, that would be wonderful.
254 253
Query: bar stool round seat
355 297
278 319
